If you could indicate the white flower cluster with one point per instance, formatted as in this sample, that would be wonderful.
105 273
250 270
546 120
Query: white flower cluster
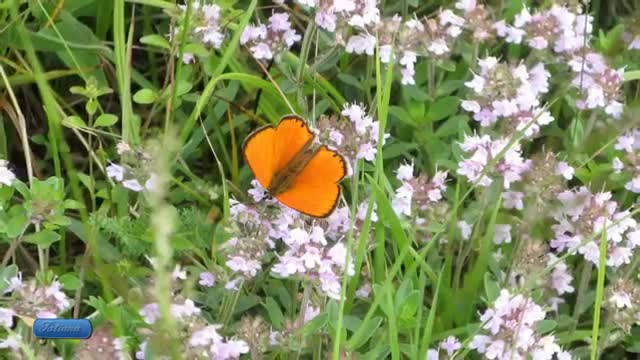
118 173
635 43
367 132
415 37
205 26
599 85
630 144
511 323
417 193
558 28
568 33
6 176
28 299
202 339
450 345
560 280
483 149
583 218
266 41
355 13
308 255
509 92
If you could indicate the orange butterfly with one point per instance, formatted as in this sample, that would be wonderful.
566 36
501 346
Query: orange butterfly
294 170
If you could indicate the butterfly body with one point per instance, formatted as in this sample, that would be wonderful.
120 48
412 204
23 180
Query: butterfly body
283 179
300 174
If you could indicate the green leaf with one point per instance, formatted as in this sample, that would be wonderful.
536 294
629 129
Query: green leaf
145 96
364 333
318 322
5 274
447 65
74 122
106 120
183 87
43 238
6 192
18 221
332 311
403 292
196 49
351 322
632 75
350 80
92 106
401 114
70 282
546 325
409 306
275 314
443 108
73 204
454 126
380 291
156 40
491 288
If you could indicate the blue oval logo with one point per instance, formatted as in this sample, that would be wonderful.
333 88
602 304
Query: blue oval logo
62 328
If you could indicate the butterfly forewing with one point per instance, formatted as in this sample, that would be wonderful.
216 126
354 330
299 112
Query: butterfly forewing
315 191
258 154
292 134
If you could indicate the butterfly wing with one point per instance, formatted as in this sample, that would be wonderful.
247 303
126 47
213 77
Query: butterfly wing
292 134
269 149
258 154
315 191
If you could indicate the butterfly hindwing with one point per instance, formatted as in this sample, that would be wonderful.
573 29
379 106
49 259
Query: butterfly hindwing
315 191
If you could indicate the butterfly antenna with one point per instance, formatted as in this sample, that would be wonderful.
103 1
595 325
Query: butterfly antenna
225 205
259 94
266 72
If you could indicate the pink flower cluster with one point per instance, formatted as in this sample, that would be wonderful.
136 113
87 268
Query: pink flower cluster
355 139
511 166
511 323
630 144
408 40
201 338
357 22
7 177
367 131
206 342
416 194
634 44
267 41
623 303
599 85
204 23
119 173
309 256
559 281
332 15
558 28
34 301
568 33
511 93
477 20
449 345
582 219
